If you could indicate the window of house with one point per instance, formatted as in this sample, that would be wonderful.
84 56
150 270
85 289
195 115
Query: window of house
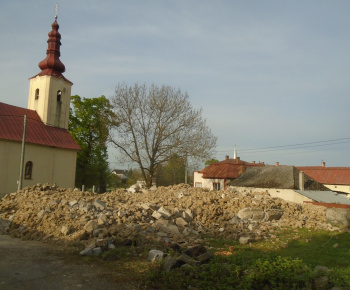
37 94
198 184
216 186
28 170
59 95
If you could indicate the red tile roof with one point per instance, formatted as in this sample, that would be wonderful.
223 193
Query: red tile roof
11 128
328 175
229 168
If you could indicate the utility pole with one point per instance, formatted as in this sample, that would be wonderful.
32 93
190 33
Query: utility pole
20 182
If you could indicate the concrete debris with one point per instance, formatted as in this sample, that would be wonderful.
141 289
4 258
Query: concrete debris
155 255
244 240
193 256
175 214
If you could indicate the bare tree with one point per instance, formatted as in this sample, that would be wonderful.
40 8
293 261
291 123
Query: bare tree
157 122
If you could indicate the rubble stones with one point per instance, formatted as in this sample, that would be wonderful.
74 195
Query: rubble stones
65 230
90 226
273 214
186 259
181 222
320 274
157 215
193 256
47 213
165 213
100 205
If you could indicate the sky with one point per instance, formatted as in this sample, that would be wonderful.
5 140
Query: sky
272 77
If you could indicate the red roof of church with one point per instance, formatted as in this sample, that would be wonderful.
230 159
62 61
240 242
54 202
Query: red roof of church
11 128
228 168
328 175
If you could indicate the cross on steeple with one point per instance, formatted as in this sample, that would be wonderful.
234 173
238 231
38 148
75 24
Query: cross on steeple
56 10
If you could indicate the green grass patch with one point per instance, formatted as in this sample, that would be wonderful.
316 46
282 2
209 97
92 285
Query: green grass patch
284 261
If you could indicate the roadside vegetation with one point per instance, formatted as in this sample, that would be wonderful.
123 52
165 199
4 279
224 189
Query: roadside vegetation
287 261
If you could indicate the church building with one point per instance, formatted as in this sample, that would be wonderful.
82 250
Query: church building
50 152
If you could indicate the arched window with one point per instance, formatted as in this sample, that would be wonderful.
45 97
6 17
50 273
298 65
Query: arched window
59 95
28 170
37 94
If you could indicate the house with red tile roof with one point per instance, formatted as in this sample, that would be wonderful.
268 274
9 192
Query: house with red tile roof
35 145
218 175
334 178
233 172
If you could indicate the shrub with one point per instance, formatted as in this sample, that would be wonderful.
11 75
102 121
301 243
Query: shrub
277 273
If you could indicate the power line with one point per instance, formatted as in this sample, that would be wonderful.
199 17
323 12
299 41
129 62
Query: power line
292 146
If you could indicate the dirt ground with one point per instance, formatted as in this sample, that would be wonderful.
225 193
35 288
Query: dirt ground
36 265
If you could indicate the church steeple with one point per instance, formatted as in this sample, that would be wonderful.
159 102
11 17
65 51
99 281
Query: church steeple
52 64
50 91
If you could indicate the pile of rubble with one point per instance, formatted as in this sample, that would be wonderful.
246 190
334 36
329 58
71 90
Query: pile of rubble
175 214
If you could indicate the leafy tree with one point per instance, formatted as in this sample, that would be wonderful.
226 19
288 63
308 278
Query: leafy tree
90 123
155 123
211 161
173 172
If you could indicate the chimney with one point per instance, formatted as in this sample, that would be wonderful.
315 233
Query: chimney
237 159
227 157
277 163
323 164
253 162
301 180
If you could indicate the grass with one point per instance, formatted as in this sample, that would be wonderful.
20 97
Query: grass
285 261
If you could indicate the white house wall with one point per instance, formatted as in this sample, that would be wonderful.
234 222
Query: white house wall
340 188
50 165
206 182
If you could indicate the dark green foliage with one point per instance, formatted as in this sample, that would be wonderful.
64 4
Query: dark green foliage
173 172
90 122
211 161
278 273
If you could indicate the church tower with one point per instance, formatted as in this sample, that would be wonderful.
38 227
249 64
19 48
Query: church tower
50 91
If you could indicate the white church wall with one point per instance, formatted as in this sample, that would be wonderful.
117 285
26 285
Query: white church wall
50 165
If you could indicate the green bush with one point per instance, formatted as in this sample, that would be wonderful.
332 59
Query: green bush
340 277
277 273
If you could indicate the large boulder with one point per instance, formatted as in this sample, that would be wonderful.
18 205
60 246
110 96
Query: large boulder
339 217
255 214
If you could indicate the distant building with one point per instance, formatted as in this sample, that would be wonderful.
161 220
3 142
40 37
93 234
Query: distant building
121 173
334 178
50 151
221 174
218 175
